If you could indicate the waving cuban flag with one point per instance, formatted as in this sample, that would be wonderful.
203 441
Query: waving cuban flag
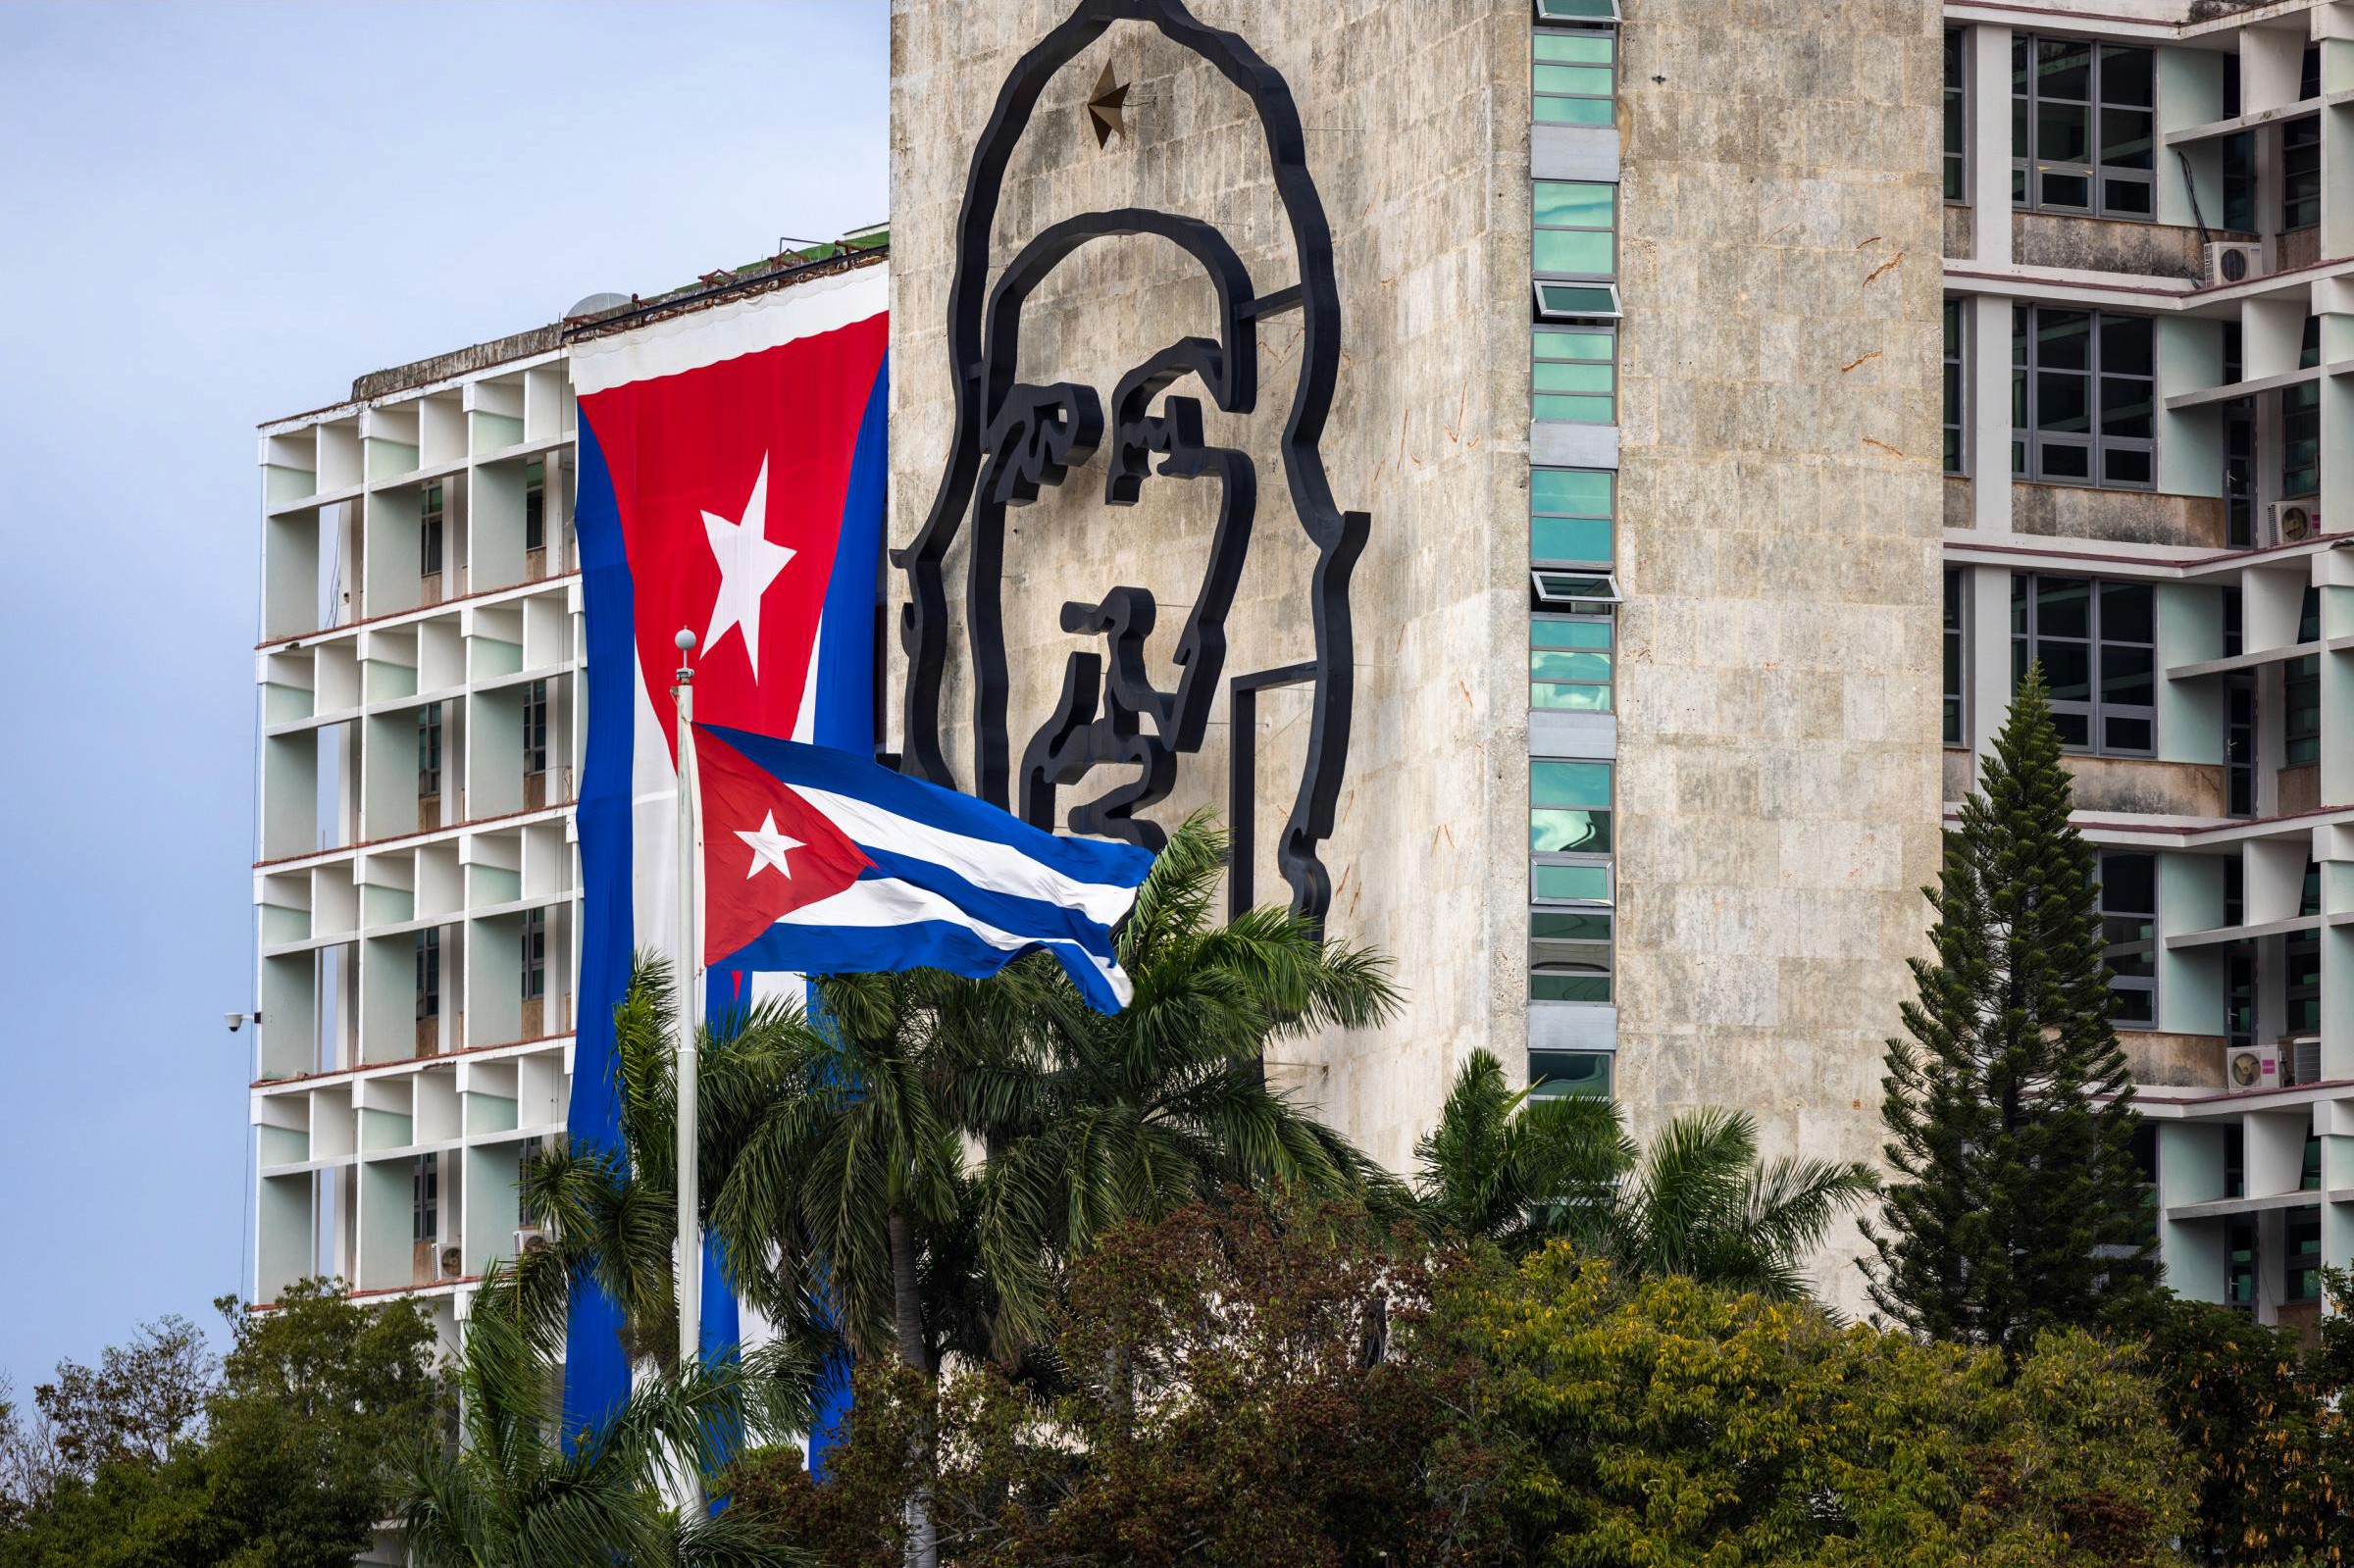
822 863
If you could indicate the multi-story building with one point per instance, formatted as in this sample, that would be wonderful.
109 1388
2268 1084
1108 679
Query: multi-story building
2149 458
1565 613
423 723
415 875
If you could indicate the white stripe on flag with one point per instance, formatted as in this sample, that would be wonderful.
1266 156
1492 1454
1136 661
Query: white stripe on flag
889 901
999 868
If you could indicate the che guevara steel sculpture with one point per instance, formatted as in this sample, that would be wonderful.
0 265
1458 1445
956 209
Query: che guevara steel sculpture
1011 437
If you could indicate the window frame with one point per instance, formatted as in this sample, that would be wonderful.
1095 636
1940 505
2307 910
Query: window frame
428 973
1539 1082
533 941
2030 442
2029 168
2301 171
1606 626
429 741
1554 412
2027 640
1957 116
1954 325
1539 93
535 505
1601 904
1955 637
432 556
2144 945
533 725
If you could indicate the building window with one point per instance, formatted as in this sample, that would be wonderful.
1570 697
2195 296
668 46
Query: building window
1573 249
429 751
2301 172
1953 384
1577 10
2129 906
2239 1261
1957 119
1569 662
1569 512
1954 664
534 954
535 728
1573 374
428 534
2301 1238
1560 1075
1570 914
429 973
2301 421
2239 177
2082 126
425 1199
1569 807
1573 77
2081 398
2240 741
535 505
2301 709
2097 644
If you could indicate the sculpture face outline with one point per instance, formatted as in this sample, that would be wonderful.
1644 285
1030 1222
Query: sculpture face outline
1010 438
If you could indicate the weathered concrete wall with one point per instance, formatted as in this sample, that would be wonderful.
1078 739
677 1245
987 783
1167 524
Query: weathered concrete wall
2106 244
1781 509
2118 517
2147 787
1416 117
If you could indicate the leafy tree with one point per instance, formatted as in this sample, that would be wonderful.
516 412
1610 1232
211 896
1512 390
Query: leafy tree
1240 1395
1666 1421
2263 1421
2010 1109
1521 1171
139 1400
289 1470
513 1494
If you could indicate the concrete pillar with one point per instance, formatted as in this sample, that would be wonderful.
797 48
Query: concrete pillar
1987 646
1986 382
1988 52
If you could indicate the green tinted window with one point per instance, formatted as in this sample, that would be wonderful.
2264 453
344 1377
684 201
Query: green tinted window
1569 807
1569 663
1572 374
1577 228
1569 508
1569 784
1592 883
1560 1073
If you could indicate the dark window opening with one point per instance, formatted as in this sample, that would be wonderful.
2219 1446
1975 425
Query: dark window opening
2083 126
1953 659
2082 398
2097 644
2129 909
1957 119
1954 461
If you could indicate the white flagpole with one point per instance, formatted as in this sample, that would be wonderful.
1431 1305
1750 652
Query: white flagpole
689 996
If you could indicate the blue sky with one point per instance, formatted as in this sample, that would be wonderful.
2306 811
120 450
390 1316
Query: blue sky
212 215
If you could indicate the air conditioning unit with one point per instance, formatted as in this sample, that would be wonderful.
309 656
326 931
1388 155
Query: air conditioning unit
2294 521
450 1261
2301 1056
2234 261
531 1238
2252 1067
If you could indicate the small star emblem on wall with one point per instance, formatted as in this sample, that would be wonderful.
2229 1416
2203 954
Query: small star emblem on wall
1103 108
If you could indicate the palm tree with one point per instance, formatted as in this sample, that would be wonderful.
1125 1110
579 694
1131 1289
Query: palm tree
514 1493
1096 1120
1523 1171
613 1217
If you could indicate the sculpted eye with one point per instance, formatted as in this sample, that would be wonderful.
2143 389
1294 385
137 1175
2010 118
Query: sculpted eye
1039 434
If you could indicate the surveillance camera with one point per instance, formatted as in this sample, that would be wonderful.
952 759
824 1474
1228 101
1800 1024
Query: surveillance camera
235 1021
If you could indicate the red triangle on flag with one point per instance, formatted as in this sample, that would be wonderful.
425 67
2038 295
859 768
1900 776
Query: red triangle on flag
766 850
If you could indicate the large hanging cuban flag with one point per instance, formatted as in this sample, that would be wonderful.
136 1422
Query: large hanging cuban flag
730 483
819 861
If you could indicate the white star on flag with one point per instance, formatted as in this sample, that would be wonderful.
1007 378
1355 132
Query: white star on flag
769 848
747 563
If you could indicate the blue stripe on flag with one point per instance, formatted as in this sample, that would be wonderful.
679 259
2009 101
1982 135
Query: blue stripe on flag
1008 912
920 944
597 1369
846 636
1092 860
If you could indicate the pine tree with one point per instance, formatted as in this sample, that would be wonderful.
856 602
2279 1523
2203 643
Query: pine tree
2020 1206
